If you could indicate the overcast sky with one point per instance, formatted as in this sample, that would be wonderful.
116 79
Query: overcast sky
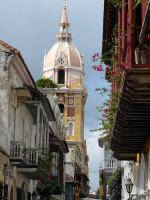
31 27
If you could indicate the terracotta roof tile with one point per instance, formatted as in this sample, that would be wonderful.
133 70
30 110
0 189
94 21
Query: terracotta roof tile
12 49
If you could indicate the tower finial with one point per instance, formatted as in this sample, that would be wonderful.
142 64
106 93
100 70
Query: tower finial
64 34
65 3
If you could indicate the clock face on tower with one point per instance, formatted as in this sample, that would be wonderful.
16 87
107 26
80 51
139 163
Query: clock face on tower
71 101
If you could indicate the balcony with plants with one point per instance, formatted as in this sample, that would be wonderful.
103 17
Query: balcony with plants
20 155
124 60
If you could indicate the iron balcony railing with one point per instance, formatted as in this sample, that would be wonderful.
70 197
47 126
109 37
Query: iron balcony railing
19 151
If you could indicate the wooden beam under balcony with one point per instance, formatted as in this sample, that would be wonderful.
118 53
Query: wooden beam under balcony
132 122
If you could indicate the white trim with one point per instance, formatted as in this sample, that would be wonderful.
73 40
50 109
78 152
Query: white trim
73 68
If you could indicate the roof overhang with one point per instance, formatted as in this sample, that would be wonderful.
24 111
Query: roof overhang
132 122
37 95
56 142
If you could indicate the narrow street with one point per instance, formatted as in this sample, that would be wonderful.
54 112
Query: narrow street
74 119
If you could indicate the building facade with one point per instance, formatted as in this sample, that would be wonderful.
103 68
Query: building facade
130 135
64 65
109 165
28 138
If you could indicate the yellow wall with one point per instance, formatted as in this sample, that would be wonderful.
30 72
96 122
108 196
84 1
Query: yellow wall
78 134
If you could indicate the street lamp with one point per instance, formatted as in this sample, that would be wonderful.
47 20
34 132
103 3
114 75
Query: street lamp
129 186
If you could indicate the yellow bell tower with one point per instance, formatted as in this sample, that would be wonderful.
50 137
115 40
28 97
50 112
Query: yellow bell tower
64 65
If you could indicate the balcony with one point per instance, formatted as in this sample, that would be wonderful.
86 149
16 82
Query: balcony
110 163
22 156
25 159
131 125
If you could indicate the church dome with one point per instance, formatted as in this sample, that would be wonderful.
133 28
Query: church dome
63 63
65 49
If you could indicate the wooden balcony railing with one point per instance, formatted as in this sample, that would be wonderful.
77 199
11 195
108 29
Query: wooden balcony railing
110 163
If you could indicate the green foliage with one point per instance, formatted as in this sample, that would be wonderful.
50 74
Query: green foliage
46 189
46 83
45 159
116 2
114 185
137 2
48 184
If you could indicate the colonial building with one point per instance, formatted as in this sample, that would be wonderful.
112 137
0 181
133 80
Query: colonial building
64 65
130 135
109 165
29 139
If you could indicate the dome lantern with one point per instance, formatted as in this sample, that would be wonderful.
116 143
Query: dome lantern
64 34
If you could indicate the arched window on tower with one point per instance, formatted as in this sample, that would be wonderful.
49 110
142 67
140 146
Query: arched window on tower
61 76
61 107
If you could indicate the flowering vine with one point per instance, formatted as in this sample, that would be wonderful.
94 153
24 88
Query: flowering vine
108 108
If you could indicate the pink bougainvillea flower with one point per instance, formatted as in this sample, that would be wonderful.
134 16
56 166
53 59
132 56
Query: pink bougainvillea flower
122 66
107 67
100 68
94 56
106 110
